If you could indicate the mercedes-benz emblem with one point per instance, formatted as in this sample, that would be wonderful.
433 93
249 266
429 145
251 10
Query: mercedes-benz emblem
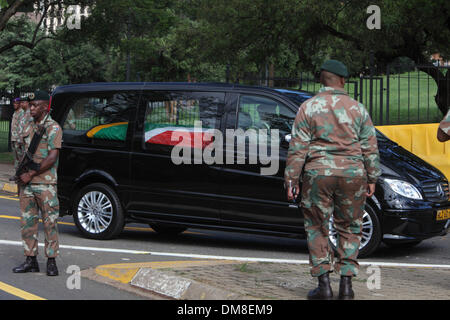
440 191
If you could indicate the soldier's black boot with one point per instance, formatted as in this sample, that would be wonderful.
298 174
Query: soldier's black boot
30 265
52 270
323 291
345 288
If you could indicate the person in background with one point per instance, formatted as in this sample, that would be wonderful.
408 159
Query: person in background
16 132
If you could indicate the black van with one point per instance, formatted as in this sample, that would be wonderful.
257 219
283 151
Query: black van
185 155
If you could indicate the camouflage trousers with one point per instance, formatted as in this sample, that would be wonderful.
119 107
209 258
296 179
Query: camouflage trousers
35 198
17 149
344 198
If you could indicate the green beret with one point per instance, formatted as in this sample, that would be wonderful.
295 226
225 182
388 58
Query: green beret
39 95
336 67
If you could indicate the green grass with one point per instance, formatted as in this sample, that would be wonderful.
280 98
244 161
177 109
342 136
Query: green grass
411 98
245 268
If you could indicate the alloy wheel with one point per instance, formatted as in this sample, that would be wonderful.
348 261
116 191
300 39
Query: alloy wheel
367 231
95 212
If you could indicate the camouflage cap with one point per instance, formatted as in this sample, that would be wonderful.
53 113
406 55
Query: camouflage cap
336 67
39 95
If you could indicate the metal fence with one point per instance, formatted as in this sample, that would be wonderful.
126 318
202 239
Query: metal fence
391 98
4 135
403 98
183 113
5 121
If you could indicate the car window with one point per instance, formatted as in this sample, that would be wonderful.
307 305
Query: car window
169 112
100 118
263 113
297 98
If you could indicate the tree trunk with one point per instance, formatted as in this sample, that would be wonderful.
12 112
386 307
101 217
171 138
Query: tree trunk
10 11
271 75
442 80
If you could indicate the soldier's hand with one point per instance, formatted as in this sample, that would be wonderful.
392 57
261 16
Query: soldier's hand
370 189
26 177
292 193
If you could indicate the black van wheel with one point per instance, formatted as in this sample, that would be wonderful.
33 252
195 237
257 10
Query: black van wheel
167 230
371 233
97 212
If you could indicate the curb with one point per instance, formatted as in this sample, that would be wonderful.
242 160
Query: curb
8 187
145 276
178 287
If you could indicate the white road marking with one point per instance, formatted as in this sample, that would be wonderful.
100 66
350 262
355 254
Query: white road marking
245 259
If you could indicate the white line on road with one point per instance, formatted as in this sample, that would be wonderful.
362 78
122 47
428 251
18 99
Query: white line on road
246 259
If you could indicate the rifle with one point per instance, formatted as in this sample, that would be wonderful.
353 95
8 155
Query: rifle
27 163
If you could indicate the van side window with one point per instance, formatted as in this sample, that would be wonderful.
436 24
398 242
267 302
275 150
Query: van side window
169 112
262 113
100 118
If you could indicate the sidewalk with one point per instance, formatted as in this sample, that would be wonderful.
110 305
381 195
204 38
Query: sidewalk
7 171
232 280
237 280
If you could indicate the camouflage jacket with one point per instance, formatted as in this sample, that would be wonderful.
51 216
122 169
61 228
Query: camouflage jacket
24 122
15 124
333 135
445 124
51 140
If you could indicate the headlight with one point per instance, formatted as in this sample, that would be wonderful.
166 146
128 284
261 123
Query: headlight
404 188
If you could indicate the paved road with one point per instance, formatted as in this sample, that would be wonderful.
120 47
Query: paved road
138 239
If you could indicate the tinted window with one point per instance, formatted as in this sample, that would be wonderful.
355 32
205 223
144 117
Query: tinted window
100 118
297 98
263 113
167 112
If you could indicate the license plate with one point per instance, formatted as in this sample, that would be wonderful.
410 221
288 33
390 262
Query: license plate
443 214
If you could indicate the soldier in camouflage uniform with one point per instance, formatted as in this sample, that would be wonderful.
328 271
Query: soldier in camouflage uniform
22 122
334 139
38 191
25 105
443 133
15 131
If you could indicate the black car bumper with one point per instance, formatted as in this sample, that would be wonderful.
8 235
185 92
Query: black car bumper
409 225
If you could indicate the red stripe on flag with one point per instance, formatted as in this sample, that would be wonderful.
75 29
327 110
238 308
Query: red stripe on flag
185 140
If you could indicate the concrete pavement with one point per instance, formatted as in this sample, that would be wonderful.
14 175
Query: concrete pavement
212 279
7 171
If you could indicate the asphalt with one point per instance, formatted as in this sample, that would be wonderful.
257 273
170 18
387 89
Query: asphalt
211 279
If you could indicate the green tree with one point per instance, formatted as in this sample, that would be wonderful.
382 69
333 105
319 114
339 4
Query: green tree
41 8
129 29
50 63
259 31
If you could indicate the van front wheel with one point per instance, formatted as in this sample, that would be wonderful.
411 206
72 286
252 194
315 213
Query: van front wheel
97 212
371 233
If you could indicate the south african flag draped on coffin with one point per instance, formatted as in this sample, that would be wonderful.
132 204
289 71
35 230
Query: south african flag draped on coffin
169 134
111 131
165 134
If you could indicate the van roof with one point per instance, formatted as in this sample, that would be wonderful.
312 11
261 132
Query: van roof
109 86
